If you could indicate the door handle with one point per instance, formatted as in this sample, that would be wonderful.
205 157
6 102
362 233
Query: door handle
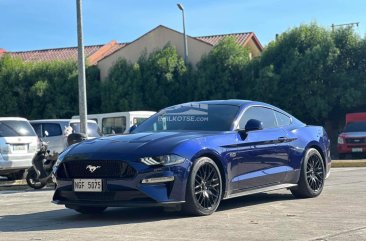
282 139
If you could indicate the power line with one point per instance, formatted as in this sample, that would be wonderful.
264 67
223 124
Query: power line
345 24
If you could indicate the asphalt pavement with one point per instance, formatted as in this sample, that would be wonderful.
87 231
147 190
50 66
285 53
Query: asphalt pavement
339 213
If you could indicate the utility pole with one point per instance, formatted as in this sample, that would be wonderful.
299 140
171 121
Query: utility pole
81 69
180 6
344 24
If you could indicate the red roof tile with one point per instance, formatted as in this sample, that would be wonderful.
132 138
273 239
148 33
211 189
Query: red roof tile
240 38
94 53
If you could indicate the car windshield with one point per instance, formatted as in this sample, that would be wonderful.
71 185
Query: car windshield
191 117
10 128
93 129
355 127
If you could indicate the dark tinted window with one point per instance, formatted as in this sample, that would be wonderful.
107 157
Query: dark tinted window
53 129
10 128
38 129
265 115
113 125
194 116
355 127
282 119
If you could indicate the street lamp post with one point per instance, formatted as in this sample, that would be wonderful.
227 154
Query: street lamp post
81 68
180 6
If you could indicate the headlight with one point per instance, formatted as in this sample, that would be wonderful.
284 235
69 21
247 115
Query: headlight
165 160
340 140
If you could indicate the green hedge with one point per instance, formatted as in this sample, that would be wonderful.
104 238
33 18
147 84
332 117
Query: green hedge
314 73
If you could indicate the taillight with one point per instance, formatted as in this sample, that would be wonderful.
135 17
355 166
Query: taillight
340 140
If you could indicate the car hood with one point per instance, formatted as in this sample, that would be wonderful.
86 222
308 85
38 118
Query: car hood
132 146
353 134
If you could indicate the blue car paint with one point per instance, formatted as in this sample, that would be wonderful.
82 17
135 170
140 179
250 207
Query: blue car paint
246 162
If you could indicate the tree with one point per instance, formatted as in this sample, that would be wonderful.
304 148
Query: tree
218 75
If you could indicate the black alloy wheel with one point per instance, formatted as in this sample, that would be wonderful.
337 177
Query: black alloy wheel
315 173
312 176
204 188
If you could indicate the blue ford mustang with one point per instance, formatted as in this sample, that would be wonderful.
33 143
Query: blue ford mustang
193 155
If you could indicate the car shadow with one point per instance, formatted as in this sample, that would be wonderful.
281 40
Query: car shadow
62 219
252 200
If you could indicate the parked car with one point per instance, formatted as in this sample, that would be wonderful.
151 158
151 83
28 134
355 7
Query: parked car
52 131
352 140
118 122
18 145
194 155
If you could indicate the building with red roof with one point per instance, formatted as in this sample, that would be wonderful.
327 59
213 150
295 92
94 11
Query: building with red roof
105 56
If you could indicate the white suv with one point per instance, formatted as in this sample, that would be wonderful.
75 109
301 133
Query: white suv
18 145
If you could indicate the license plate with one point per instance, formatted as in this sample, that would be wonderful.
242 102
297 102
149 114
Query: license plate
356 149
88 185
19 148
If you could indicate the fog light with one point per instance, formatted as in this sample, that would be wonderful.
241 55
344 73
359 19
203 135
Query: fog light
157 180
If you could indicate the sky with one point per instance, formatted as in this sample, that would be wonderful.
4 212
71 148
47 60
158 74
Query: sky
42 24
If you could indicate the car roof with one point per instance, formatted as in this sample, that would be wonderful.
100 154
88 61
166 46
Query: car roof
12 118
222 102
49 120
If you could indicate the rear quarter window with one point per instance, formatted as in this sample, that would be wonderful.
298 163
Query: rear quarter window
282 119
9 128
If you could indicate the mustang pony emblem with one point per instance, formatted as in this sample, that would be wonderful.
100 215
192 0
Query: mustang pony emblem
92 168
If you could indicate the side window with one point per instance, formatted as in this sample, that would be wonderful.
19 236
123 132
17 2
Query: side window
138 120
113 125
53 129
263 114
37 128
282 119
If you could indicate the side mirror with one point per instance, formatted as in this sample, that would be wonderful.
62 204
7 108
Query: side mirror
132 128
253 125
46 133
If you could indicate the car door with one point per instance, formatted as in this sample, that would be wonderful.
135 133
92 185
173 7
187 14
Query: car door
54 138
262 155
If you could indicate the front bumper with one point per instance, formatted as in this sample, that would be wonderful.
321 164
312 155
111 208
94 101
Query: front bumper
351 148
127 192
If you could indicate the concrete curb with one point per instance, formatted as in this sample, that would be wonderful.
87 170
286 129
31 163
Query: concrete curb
349 163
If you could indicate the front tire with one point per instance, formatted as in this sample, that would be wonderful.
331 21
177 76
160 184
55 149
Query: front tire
312 176
204 188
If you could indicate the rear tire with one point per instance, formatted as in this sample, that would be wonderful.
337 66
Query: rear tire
89 209
312 176
32 179
16 175
204 188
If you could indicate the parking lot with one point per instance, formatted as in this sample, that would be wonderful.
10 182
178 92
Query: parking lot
338 214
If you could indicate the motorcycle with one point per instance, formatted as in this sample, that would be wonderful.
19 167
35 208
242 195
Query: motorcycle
40 172
42 163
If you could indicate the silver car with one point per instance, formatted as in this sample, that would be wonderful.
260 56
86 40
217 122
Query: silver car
54 131
18 145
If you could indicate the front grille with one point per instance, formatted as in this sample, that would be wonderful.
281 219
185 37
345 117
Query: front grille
95 196
358 140
103 169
